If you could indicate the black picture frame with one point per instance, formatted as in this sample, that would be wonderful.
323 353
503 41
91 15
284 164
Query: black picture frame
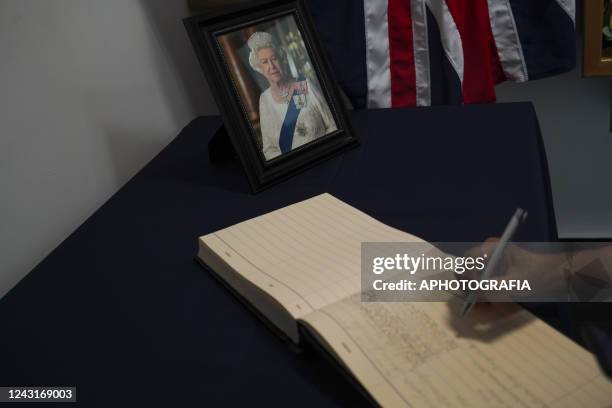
204 30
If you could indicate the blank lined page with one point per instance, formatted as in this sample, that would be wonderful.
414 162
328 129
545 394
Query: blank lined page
306 255
425 355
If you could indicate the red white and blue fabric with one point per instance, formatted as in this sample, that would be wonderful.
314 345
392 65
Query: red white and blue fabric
389 53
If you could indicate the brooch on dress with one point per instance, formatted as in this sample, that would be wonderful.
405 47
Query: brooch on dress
301 130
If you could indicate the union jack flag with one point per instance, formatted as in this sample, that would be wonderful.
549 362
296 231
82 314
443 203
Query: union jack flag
389 53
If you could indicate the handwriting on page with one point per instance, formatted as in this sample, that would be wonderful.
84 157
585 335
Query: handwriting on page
424 361
414 347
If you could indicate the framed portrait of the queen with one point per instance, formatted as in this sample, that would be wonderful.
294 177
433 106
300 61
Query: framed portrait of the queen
281 107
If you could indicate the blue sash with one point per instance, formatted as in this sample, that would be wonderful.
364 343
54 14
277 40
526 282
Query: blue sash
285 140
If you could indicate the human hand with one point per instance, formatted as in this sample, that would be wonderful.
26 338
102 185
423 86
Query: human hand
544 270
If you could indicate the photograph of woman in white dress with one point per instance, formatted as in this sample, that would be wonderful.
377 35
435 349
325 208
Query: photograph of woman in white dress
292 111
282 109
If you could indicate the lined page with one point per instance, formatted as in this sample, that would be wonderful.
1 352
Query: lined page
425 355
306 255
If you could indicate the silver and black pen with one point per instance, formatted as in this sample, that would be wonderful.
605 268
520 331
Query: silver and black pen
518 217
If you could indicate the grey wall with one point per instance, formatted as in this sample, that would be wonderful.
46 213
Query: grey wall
89 92
574 114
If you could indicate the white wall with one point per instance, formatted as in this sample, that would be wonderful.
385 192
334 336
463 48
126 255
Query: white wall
89 92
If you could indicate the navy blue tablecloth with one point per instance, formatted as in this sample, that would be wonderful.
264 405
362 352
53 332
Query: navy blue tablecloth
123 312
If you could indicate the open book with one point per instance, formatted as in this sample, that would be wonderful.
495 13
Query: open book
300 267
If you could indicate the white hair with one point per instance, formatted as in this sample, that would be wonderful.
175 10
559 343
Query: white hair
259 40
